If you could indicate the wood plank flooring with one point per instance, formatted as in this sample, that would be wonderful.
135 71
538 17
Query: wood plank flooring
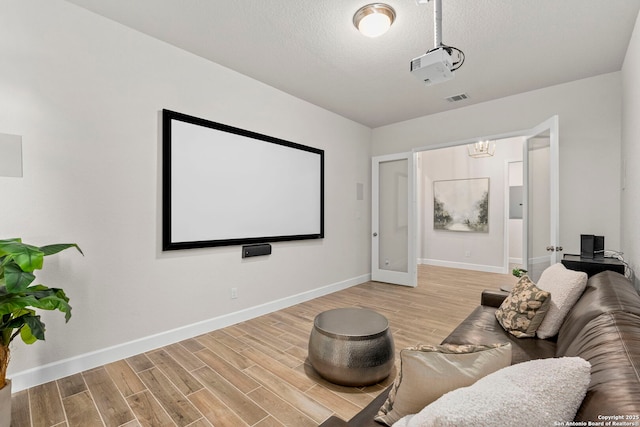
255 373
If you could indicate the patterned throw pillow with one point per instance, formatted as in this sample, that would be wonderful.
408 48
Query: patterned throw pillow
523 310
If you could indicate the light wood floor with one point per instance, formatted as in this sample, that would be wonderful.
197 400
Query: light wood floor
255 373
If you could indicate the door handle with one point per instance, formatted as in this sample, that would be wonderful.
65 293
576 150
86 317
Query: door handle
375 234
559 248
550 248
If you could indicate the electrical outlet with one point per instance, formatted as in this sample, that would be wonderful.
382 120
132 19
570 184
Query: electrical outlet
234 293
467 254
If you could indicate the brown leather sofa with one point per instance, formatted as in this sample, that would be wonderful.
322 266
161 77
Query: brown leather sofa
603 328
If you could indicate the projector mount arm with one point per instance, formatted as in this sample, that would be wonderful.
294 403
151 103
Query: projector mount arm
437 34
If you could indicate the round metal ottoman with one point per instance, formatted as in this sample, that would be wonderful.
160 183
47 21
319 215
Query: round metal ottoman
351 346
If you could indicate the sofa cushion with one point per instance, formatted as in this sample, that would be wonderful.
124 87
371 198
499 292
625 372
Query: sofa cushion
542 392
565 287
427 372
602 327
523 309
482 327
611 343
605 292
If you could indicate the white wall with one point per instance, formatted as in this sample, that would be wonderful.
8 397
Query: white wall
470 250
631 153
85 94
589 113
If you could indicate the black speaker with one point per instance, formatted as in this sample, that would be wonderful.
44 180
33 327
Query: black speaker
598 246
256 250
586 245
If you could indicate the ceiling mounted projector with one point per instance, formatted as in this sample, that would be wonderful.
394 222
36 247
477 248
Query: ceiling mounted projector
438 64
435 66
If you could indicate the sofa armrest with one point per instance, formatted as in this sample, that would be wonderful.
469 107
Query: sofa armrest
364 418
493 298
334 422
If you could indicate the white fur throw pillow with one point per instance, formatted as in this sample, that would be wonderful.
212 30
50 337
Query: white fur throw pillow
534 393
565 287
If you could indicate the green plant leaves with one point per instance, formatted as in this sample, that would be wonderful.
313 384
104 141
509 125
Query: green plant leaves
17 280
19 299
24 320
55 248
32 330
26 335
12 304
37 297
28 257
55 299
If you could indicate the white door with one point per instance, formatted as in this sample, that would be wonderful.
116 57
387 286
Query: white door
393 220
541 197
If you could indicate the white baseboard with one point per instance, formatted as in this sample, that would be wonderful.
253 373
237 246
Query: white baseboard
63 368
515 261
463 265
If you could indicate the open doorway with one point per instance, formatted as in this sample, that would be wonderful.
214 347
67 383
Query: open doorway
420 212
463 204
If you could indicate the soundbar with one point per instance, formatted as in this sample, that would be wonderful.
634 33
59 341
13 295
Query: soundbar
256 250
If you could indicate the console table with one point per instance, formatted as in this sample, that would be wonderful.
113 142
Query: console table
592 266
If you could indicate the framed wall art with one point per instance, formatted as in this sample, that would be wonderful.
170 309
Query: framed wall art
461 205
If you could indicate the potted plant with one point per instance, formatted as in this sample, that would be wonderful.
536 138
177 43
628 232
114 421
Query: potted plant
19 300
519 272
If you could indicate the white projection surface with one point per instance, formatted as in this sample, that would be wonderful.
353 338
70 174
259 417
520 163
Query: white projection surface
231 188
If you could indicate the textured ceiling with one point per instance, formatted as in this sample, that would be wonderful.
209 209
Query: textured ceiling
310 49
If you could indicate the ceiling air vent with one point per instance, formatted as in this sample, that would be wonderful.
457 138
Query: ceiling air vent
456 98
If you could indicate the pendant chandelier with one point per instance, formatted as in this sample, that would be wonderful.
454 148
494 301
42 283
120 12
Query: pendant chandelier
481 149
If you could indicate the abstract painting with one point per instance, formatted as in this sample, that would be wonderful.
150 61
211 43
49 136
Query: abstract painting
461 205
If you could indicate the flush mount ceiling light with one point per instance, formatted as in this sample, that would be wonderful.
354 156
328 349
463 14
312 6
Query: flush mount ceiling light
374 19
481 149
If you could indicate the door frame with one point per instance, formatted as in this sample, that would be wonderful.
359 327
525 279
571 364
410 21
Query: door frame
553 123
410 277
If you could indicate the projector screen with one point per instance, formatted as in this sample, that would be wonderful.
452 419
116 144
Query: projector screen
227 186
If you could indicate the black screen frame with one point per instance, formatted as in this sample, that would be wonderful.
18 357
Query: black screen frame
168 117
